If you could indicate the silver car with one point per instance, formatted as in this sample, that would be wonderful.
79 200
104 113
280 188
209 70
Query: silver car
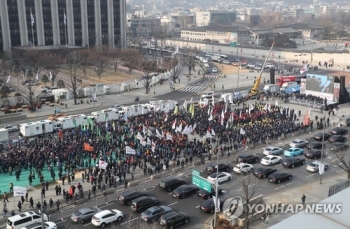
273 150
84 215
314 166
298 143
11 128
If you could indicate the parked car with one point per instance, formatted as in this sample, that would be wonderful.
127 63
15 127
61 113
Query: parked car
226 62
143 202
170 183
47 225
247 158
127 196
298 143
337 138
84 215
208 206
272 150
315 145
313 154
345 121
204 194
339 131
172 219
208 95
293 161
319 136
185 190
154 213
314 166
11 128
222 177
264 172
105 217
243 168
339 146
279 176
291 152
271 159
212 168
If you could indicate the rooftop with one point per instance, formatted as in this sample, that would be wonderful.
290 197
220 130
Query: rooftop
302 26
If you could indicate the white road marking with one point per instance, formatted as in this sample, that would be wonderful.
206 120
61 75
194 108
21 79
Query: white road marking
311 175
172 204
88 224
239 190
106 205
170 193
280 187
130 220
150 190
197 206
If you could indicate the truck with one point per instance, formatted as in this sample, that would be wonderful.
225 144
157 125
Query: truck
71 121
216 58
32 129
288 85
286 79
4 135
271 88
105 115
134 110
162 105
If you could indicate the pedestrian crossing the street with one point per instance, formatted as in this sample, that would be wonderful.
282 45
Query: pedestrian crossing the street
193 88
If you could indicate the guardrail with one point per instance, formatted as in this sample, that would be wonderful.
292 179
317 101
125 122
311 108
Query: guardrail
334 189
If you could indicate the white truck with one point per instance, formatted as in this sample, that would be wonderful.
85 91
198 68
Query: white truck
162 105
70 122
4 135
105 115
216 58
271 88
32 129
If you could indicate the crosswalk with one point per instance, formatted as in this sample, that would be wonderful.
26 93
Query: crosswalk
211 76
193 88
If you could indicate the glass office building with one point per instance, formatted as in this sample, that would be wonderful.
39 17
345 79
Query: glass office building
84 23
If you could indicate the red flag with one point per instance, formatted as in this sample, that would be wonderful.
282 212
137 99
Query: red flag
87 147
60 133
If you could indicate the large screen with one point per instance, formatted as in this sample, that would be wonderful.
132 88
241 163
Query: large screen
320 86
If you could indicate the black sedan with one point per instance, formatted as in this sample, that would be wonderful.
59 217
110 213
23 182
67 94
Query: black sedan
208 206
185 190
206 195
339 131
222 168
313 154
337 138
339 146
319 136
279 177
154 213
247 158
291 162
314 145
263 172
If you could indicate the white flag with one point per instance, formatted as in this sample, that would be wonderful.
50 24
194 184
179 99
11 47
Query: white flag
153 146
149 141
179 128
185 130
144 129
8 79
212 132
19 191
139 136
50 76
208 135
37 76
212 98
242 131
158 135
276 103
31 16
129 150
65 19
102 164
174 125
169 137
304 69
210 117
209 110
216 204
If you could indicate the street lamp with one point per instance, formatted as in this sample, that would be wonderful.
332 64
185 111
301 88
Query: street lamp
42 203
322 152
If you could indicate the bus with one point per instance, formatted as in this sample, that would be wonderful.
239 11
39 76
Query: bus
224 57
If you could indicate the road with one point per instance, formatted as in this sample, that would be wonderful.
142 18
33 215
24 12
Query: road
233 188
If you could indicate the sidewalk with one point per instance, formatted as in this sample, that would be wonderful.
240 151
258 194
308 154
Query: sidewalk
314 192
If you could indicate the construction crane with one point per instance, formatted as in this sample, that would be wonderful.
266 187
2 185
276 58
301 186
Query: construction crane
254 90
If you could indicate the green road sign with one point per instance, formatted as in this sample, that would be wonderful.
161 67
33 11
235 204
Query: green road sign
233 44
200 181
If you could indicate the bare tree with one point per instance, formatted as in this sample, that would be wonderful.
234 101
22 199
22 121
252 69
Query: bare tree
52 65
147 67
343 162
100 64
115 55
86 56
250 187
28 92
189 60
34 60
130 59
73 61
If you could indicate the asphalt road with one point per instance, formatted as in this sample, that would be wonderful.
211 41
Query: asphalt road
233 188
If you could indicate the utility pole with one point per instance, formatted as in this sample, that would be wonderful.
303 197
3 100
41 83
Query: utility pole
42 203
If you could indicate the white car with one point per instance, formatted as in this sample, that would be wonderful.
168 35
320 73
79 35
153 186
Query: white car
271 159
209 94
47 225
243 168
10 128
269 65
214 70
222 177
105 217
226 62
117 107
250 65
298 143
272 150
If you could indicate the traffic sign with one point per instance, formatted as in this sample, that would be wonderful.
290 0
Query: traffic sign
200 181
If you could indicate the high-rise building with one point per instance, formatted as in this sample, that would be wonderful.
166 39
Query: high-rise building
83 23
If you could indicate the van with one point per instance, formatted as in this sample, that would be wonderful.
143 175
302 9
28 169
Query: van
143 203
24 219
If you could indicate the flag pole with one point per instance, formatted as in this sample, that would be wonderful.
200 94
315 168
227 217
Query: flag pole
32 22
65 26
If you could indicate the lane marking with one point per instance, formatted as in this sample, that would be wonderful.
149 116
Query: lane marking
311 175
106 205
172 204
130 221
198 206
61 222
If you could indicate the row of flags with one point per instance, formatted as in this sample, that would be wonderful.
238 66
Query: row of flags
33 20
37 77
